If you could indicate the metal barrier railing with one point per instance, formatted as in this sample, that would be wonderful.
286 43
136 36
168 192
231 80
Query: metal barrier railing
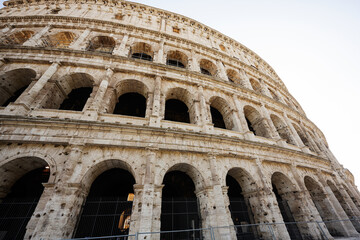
261 231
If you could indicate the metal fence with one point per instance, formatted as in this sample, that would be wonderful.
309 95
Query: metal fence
262 231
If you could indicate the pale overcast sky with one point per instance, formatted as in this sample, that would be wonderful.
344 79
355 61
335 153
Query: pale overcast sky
314 46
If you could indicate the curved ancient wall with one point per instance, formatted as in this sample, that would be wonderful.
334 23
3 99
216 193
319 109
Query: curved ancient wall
241 119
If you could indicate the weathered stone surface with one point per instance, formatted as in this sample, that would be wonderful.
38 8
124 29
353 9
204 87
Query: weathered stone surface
49 48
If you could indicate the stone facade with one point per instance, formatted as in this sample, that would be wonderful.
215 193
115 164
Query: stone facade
50 48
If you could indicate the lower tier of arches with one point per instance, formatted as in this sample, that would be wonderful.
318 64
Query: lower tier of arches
64 191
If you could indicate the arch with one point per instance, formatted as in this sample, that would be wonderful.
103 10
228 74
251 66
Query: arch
13 83
207 67
289 205
143 51
77 87
59 40
132 98
345 206
108 206
103 44
282 129
241 205
255 122
255 85
17 38
191 171
179 106
21 182
321 202
131 85
303 137
177 59
224 119
104 165
179 206
233 76
353 198
274 95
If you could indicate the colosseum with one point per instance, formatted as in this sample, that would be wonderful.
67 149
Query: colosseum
120 119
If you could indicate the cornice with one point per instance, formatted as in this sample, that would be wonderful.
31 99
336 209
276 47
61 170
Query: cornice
19 121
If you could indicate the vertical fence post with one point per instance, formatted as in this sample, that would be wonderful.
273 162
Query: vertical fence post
271 231
322 231
212 233
136 235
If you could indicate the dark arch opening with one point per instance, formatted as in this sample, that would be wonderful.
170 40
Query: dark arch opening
18 206
176 110
76 99
107 209
250 125
205 71
131 104
286 213
15 96
179 209
240 212
175 63
142 56
217 118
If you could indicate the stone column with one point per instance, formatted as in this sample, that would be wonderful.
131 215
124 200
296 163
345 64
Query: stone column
121 49
193 62
204 118
264 88
80 43
265 208
155 118
23 103
93 111
243 127
295 136
145 216
273 131
35 40
245 82
309 212
218 204
57 212
346 228
221 70
159 55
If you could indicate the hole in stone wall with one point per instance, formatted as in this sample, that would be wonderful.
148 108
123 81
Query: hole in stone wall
76 99
217 118
131 104
176 110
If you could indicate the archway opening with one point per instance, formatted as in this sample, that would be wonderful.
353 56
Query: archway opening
76 99
239 209
321 203
18 206
13 83
176 59
142 51
108 206
131 104
217 118
345 205
282 129
179 209
102 44
176 110
256 123
284 192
